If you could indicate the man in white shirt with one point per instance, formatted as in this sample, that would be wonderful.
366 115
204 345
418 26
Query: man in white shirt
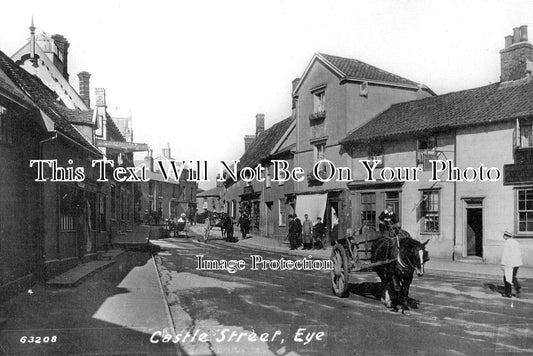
511 261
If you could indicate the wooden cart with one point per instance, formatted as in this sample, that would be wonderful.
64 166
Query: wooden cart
353 254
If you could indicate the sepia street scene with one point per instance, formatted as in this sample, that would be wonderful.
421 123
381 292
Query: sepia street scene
266 178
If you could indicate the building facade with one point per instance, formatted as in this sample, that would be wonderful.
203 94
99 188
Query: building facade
336 95
477 133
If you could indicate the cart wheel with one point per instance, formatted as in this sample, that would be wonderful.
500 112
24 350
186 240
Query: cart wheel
206 234
340 273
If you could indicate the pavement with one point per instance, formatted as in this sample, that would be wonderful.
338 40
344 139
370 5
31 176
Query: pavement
438 265
110 307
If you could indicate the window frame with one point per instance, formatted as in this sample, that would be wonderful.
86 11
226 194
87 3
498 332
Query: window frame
282 214
425 212
526 233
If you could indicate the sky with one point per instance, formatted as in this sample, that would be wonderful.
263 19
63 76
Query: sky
193 74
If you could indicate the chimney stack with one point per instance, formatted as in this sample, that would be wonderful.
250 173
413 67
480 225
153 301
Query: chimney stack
248 140
166 151
149 161
516 55
295 83
259 124
62 61
85 88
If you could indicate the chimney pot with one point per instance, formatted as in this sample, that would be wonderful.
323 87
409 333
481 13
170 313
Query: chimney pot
516 34
523 33
149 161
508 41
166 151
259 124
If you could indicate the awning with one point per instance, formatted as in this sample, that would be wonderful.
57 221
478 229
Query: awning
313 205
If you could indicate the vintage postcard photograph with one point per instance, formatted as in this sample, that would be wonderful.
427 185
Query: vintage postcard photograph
281 177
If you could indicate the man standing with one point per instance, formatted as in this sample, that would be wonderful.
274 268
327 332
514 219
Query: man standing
244 223
293 235
307 230
511 261
319 233
298 230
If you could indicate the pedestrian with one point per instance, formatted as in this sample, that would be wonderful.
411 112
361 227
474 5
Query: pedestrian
228 226
511 261
319 233
307 231
244 223
297 230
292 233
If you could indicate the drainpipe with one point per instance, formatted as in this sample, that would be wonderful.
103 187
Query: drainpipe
454 202
41 247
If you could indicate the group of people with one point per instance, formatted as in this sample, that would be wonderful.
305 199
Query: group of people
243 222
306 234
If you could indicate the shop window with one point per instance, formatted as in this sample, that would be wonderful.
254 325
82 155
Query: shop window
525 210
431 212
368 209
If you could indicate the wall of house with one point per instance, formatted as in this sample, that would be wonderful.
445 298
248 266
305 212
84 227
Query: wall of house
492 146
19 205
276 199
402 153
65 246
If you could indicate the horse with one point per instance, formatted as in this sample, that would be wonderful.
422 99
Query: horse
396 276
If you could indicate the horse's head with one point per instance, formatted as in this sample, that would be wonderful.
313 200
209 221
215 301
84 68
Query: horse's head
414 254
421 256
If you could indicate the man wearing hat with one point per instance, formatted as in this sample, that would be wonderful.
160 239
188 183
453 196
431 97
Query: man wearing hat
511 261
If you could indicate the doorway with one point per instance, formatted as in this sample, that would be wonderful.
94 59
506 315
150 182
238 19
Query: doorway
269 220
474 229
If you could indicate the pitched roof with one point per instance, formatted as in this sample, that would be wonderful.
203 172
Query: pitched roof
353 68
44 98
488 104
213 192
264 143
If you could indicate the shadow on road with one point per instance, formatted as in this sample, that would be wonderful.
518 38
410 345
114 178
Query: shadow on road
99 316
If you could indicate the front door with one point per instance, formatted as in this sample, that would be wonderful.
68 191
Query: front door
474 230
